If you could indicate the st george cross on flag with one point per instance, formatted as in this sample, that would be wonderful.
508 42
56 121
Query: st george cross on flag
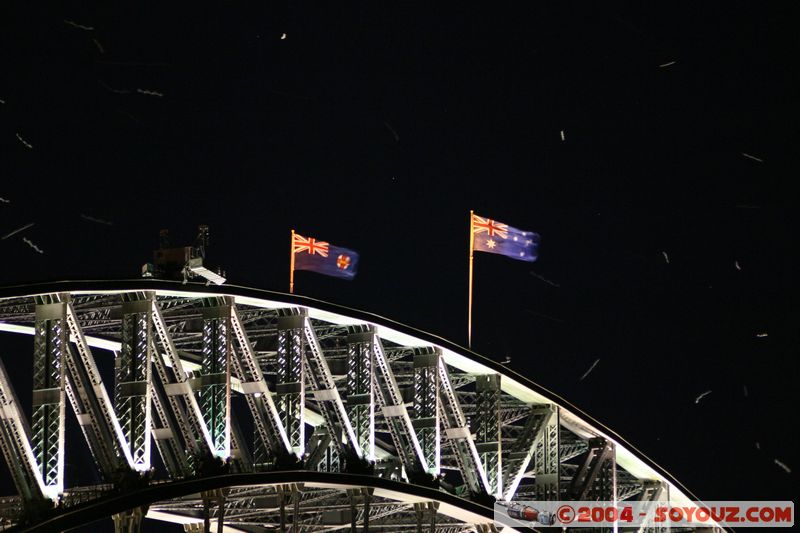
497 238
319 256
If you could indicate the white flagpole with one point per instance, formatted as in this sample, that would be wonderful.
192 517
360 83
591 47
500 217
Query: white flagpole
291 267
471 246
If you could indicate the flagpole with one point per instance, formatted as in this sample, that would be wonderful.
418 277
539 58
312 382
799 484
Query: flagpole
291 267
471 246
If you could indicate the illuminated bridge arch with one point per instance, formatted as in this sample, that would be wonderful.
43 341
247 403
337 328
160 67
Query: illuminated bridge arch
247 410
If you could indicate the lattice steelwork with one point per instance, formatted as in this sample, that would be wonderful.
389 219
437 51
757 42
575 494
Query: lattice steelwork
327 457
361 390
215 376
172 453
546 459
520 452
653 493
15 438
595 478
133 390
487 429
47 438
460 437
327 395
270 439
330 422
426 408
290 388
396 415
186 412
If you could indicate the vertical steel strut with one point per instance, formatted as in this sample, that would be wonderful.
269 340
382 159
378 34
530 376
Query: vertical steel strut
487 425
133 392
49 352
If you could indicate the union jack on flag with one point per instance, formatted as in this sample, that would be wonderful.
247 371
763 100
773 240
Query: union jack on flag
487 225
310 245
320 256
497 238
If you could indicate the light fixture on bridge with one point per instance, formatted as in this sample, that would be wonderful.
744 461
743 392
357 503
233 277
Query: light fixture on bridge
196 267
184 262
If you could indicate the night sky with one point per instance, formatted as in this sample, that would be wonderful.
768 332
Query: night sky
667 212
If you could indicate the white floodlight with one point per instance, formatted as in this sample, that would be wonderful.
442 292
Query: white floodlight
195 266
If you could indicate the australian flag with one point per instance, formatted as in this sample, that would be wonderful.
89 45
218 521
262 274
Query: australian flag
497 238
319 256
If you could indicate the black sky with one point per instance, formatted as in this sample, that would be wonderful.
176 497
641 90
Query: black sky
379 126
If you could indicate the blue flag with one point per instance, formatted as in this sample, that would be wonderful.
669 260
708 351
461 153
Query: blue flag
497 238
321 257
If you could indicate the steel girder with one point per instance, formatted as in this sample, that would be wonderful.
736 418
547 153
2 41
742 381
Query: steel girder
15 440
488 430
652 493
133 391
427 422
183 403
394 411
290 387
317 507
458 433
215 376
324 454
165 434
545 454
361 390
47 437
595 478
323 391
327 394
92 404
270 439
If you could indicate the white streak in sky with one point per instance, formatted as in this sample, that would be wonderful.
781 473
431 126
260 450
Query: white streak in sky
394 133
562 136
98 220
666 257
148 92
2 101
118 91
754 158
23 141
283 36
783 465
23 228
744 390
762 335
99 46
4 201
79 26
666 64
758 445
544 279
737 265
33 245
590 369
706 393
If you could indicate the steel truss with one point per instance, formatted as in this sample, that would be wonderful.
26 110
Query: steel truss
133 391
322 392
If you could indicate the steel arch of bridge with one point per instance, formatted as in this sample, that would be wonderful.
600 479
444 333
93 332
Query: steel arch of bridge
388 498
229 381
